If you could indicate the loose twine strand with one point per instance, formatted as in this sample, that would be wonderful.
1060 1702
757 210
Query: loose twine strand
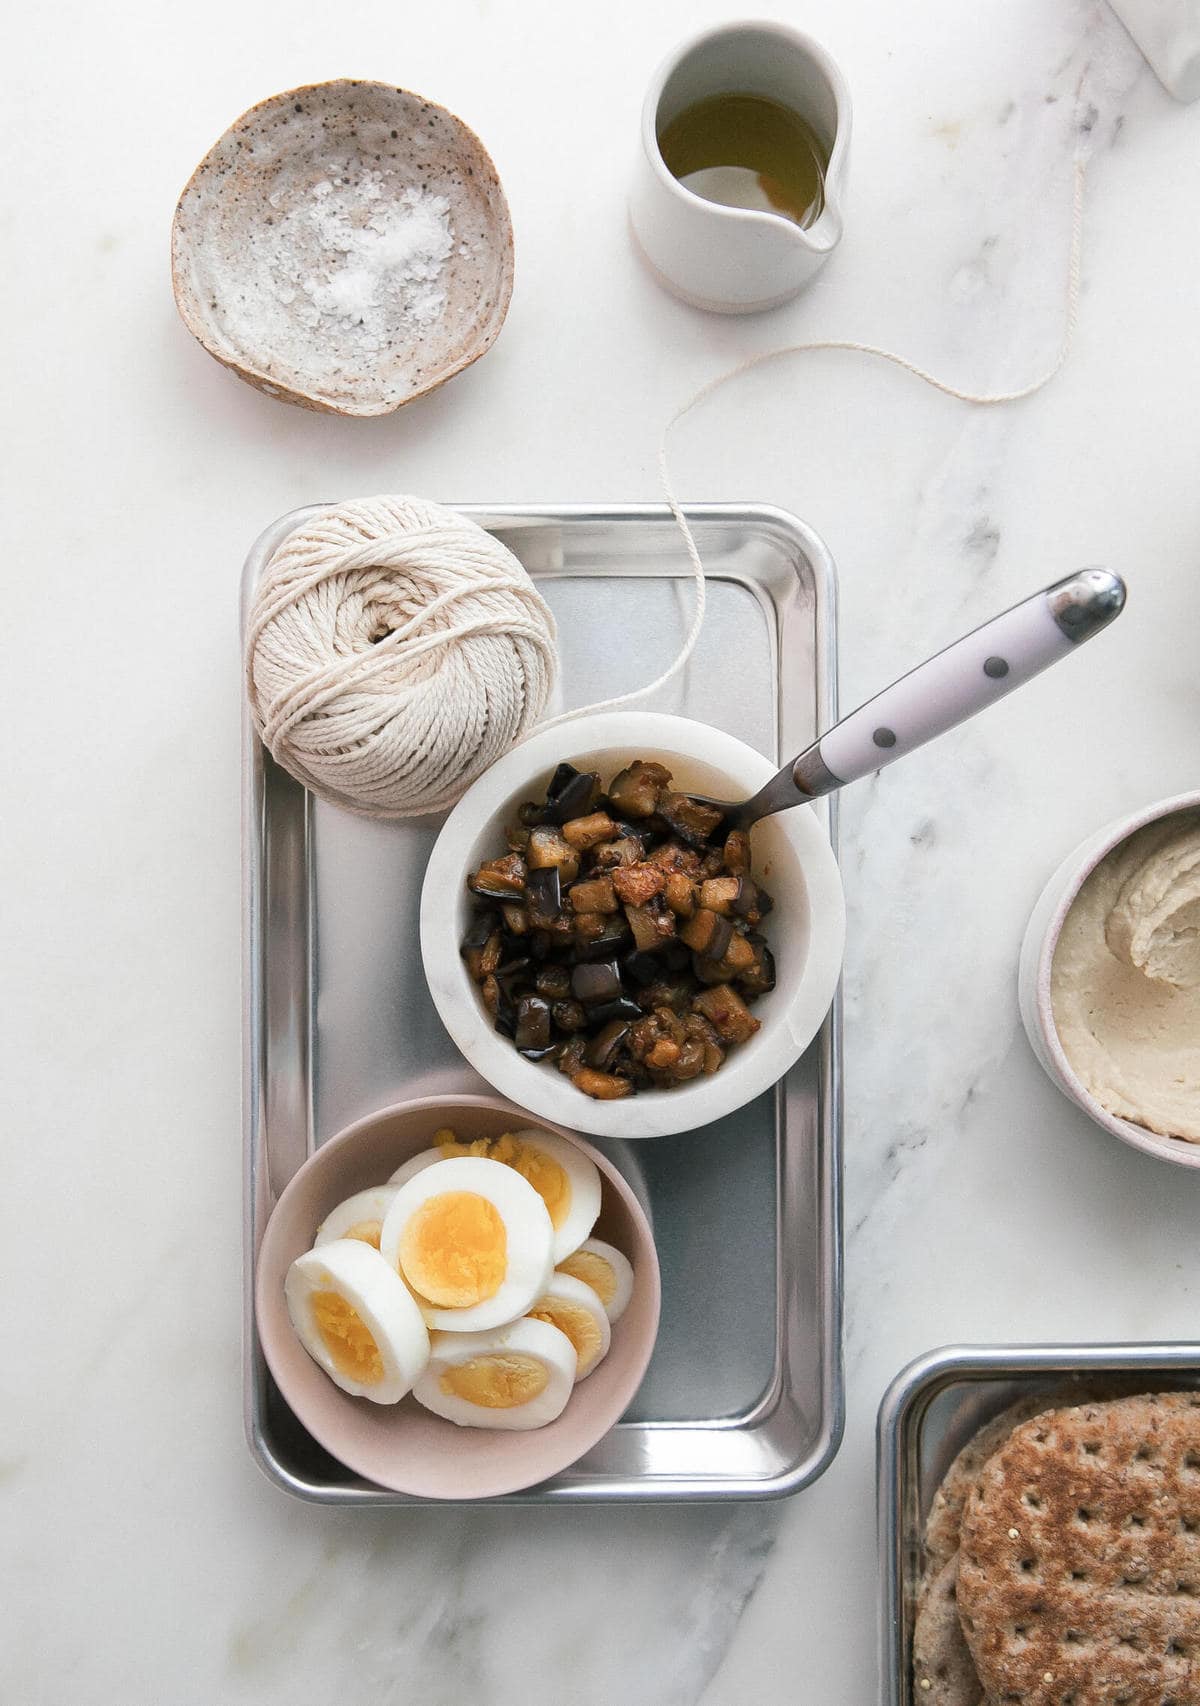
986 398
395 649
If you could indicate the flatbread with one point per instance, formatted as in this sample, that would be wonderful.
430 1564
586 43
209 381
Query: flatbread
1079 1562
944 1672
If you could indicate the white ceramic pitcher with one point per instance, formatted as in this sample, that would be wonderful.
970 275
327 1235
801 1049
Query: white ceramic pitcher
736 260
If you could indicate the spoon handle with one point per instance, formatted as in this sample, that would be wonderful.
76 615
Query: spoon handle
951 686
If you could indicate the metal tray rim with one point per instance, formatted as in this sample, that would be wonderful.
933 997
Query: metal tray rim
934 1369
683 1489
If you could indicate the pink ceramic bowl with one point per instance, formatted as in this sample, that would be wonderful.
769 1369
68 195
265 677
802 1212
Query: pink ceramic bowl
402 1446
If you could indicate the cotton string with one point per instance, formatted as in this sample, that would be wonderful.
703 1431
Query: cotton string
986 398
395 649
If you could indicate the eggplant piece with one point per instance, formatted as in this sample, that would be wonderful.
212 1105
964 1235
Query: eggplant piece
679 892
652 925
599 980
628 850
728 1014
500 879
622 1008
671 856
721 894
570 1060
543 896
635 791
601 1052
517 837
588 832
638 883
688 819
516 919
760 979
512 970
479 951
568 1016
547 848
642 966
529 813
601 1086
707 933
553 982
663 1055
499 1006
746 904
612 937
676 956
735 855
594 895
675 993
570 794
533 1035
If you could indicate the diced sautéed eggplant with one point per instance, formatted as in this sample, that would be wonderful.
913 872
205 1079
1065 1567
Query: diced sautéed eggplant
618 933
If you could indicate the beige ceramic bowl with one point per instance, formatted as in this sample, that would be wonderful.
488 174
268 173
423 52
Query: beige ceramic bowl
402 1446
345 246
1036 966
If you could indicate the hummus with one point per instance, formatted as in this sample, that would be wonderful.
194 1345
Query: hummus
1125 981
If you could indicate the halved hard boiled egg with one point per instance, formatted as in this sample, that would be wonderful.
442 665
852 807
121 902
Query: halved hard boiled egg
518 1376
576 1310
567 1182
473 1242
356 1319
606 1270
360 1216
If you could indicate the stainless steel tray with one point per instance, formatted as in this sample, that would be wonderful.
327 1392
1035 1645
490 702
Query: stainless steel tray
743 1398
928 1414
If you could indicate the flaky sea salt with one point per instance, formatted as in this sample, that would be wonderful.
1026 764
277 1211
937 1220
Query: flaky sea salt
375 262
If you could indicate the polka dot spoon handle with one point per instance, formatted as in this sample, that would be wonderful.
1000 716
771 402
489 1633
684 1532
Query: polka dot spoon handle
947 689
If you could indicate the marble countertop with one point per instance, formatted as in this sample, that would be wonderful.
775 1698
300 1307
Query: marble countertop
146 1560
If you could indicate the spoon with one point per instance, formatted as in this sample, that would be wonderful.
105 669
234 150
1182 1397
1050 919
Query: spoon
942 692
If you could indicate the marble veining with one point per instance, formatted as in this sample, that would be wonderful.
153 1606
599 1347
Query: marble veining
144 1561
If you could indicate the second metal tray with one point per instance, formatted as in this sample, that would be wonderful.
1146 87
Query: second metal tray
743 1398
928 1414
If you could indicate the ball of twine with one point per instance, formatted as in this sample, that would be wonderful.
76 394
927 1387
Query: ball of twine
394 651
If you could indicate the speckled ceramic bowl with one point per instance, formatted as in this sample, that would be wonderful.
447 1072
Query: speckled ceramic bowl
402 1446
344 246
1037 959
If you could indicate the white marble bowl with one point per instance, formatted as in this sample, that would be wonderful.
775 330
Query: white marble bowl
792 854
345 246
1033 979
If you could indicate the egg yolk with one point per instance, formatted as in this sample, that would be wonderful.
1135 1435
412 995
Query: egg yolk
347 1338
541 1171
578 1324
593 1270
366 1231
500 1381
454 1250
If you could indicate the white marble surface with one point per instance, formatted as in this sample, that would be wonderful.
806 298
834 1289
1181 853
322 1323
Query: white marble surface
145 1560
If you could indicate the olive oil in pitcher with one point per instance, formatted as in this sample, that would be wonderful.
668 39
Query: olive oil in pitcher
747 151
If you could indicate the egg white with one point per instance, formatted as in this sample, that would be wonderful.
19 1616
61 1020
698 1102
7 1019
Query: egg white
574 1295
358 1274
582 1176
583 1186
528 1237
364 1208
536 1340
620 1270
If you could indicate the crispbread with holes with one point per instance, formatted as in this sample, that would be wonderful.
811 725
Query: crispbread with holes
1079 1557
943 1669
945 1512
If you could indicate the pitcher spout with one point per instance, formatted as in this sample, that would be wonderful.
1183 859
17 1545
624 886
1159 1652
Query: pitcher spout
825 232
